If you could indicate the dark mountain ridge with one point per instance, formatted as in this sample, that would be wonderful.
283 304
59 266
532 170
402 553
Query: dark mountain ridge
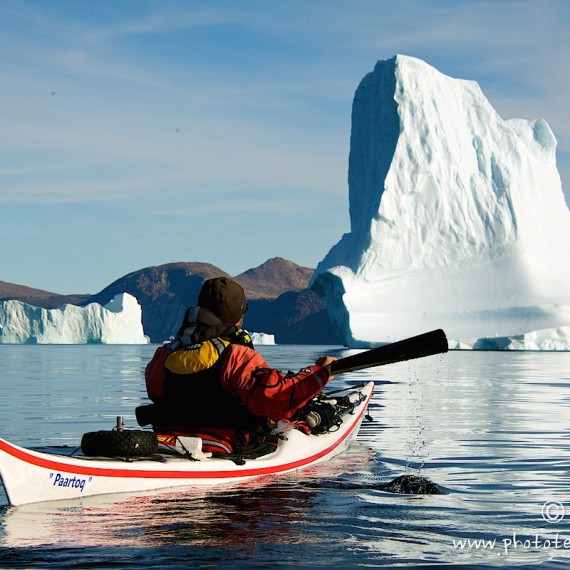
38 297
274 277
280 302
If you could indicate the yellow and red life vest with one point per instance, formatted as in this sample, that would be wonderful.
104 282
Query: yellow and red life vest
186 388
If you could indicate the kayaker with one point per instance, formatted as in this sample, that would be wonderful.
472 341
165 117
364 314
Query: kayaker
211 382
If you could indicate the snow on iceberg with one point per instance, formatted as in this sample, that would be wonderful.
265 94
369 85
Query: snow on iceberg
262 338
458 219
118 322
548 339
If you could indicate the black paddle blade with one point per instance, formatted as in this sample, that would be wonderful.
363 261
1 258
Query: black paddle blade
434 342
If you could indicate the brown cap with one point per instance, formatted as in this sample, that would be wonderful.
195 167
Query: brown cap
225 298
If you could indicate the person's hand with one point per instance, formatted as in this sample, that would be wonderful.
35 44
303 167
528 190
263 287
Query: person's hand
325 362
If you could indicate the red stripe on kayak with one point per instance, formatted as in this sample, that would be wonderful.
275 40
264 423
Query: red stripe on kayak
26 456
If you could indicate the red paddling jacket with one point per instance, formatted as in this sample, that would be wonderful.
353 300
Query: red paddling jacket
211 381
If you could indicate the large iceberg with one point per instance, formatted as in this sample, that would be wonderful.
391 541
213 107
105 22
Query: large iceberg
118 322
458 219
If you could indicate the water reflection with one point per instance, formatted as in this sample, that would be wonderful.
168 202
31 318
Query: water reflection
252 514
490 428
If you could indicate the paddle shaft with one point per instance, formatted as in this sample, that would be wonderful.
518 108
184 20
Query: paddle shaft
433 342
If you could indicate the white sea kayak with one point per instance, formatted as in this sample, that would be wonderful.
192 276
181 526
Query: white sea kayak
31 476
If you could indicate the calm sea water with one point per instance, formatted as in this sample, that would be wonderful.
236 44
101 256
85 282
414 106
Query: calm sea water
491 429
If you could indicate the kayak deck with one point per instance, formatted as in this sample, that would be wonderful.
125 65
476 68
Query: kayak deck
35 476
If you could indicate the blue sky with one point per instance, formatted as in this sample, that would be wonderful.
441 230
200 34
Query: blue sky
136 133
